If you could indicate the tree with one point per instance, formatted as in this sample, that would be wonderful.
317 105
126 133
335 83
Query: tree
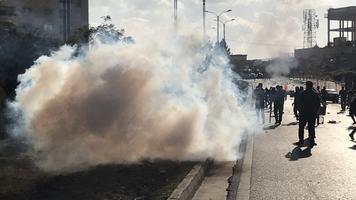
106 32
224 47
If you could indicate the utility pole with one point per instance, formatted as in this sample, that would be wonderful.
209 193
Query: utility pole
204 19
218 28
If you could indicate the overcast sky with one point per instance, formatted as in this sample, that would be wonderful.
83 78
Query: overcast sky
263 29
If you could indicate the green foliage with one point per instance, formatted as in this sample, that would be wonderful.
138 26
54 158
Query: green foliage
105 32
224 47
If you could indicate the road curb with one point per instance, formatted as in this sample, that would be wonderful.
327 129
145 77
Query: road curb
190 184
245 171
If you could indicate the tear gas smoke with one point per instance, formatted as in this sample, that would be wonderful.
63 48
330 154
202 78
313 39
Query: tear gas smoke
281 66
119 103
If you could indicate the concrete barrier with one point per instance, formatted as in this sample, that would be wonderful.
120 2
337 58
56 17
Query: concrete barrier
190 184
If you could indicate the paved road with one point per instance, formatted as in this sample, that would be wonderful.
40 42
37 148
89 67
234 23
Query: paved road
282 171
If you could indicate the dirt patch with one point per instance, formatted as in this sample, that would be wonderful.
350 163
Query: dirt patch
20 180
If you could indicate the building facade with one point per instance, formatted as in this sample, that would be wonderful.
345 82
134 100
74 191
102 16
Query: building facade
57 19
337 59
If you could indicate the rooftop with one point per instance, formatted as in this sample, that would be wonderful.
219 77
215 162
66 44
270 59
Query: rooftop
346 13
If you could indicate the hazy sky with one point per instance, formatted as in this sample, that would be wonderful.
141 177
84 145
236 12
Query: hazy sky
264 28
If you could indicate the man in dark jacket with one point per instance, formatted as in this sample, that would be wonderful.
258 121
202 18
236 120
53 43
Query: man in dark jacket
309 105
352 109
279 104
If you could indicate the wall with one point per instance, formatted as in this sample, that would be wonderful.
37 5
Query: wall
45 16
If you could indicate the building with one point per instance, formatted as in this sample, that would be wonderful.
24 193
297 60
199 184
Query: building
56 19
337 60
345 27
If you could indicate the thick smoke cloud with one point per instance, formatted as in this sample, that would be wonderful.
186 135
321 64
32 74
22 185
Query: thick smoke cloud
119 103
281 66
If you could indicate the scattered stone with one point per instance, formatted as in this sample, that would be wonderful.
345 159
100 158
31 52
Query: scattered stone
333 122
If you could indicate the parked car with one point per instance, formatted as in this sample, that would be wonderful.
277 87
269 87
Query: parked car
333 95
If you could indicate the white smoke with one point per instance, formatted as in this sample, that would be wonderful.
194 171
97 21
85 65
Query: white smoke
119 103
281 66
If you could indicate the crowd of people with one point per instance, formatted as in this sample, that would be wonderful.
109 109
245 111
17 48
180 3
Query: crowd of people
308 105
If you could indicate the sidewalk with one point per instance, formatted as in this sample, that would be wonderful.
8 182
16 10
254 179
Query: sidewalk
282 171
216 182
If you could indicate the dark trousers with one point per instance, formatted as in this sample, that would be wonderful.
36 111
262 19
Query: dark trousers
303 121
343 104
296 111
278 112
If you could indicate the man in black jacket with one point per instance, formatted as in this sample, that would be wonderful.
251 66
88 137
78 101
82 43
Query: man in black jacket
279 98
309 105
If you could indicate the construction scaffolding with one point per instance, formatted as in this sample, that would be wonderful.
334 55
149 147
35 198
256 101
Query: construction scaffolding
311 24
346 28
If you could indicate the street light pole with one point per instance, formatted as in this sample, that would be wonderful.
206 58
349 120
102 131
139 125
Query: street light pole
224 25
218 28
204 20
217 22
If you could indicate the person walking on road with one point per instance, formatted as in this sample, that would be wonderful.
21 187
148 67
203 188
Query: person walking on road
296 103
343 98
309 105
322 97
279 104
352 110
259 96
324 94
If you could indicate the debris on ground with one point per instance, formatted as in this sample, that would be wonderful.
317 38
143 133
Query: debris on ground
334 122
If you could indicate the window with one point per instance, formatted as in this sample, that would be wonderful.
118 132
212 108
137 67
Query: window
7 11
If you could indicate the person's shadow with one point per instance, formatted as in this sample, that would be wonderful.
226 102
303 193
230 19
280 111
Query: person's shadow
298 153
271 127
353 147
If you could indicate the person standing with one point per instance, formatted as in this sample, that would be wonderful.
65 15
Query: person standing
309 105
322 97
296 103
259 96
279 104
272 96
324 94
352 109
343 98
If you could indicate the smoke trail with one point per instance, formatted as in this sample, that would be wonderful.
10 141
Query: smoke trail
119 103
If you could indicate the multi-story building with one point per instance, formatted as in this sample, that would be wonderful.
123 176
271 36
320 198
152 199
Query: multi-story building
57 19
337 60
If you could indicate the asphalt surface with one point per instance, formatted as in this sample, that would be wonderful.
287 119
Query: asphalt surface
281 170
